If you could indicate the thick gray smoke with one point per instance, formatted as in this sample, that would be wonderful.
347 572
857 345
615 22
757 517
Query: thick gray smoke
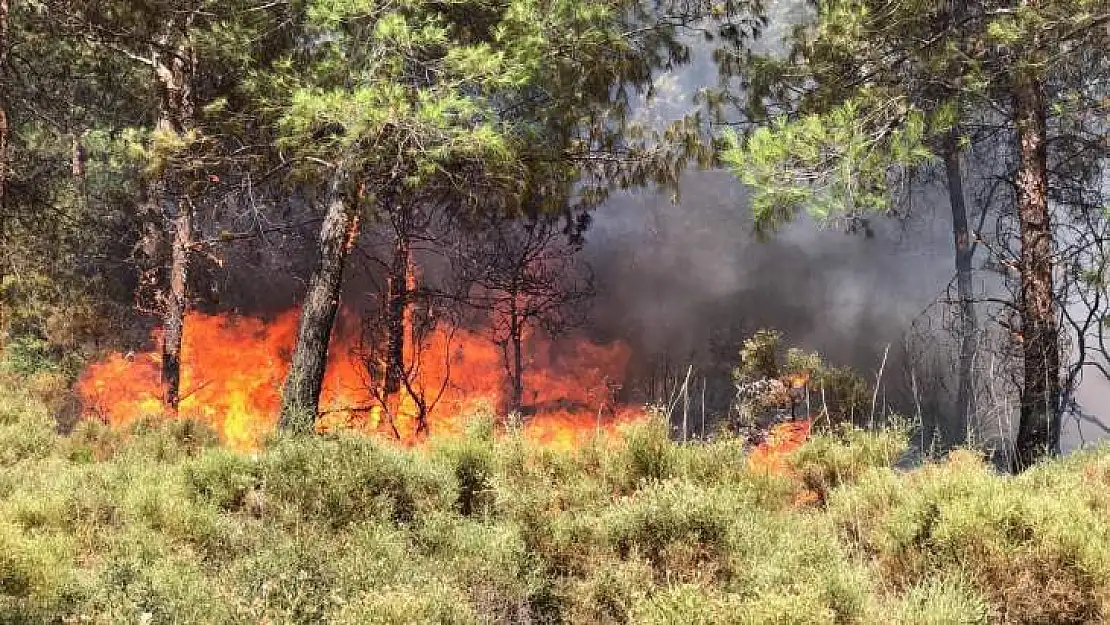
685 283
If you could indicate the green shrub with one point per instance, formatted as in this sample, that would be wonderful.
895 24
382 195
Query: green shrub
348 478
226 479
678 527
701 605
26 429
56 495
503 580
92 441
156 526
725 462
940 601
287 579
379 553
170 440
471 459
37 578
28 355
841 457
407 606
1037 555
26 440
145 579
609 591
646 453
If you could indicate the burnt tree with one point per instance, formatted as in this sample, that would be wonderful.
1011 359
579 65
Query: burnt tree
955 434
301 394
393 345
524 275
1038 430
401 284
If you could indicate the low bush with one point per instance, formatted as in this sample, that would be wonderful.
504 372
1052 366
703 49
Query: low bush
347 478
158 524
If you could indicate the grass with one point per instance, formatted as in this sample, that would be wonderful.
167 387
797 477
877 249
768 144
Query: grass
161 525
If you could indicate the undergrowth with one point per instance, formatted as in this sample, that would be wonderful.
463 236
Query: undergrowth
160 525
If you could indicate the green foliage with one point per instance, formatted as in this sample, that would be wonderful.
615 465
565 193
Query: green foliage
759 356
472 461
834 165
224 479
667 522
768 377
122 529
428 98
26 430
647 455
941 601
27 355
302 479
404 605
1032 547
843 456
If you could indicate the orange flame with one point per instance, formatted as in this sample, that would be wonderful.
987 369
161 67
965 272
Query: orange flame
233 368
796 380
771 454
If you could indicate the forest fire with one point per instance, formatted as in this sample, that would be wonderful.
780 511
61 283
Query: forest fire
771 455
234 366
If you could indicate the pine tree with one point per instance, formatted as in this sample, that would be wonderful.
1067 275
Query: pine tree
472 107
877 89
188 49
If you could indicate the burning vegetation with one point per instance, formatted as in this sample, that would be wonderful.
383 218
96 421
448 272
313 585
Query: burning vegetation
376 392
233 368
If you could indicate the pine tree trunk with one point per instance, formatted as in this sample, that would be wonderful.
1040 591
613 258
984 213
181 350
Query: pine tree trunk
300 398
1038 429
5 131
176 304
955 432
399 332
175 72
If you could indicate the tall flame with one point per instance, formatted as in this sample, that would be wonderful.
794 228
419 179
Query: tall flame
233 368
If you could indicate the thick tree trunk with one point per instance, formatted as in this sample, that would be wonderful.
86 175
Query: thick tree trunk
176 303
300 398
1038 429
955 432
175 72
